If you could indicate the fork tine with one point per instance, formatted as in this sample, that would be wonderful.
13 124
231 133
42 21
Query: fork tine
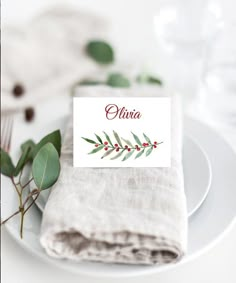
6 134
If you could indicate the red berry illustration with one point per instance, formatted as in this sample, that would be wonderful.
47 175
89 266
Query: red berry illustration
117 149
138 149
155 146
116 145
144 144
106 143
96 145
106 148
126 146
155 142
129 149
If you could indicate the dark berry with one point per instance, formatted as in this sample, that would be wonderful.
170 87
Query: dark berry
106 148
155 142
116 145
126 146
29 114
18 90
129 149
155 146
106 143
96 145
117 149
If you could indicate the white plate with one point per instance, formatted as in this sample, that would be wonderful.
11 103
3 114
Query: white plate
207 225
197 172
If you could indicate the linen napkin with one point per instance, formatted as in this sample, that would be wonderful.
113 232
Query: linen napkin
125 215
47 54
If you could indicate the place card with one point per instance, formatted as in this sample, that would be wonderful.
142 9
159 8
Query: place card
121 131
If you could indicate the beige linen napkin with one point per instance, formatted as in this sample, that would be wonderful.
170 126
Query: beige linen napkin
126 215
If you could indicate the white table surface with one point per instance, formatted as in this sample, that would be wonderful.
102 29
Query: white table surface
216 265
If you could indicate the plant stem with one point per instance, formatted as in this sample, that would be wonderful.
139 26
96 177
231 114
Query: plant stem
124 148
31 203
21 223
26 184
15 213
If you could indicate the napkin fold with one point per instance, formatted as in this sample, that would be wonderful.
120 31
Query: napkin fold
123 215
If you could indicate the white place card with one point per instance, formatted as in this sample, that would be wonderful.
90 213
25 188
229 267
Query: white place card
121 132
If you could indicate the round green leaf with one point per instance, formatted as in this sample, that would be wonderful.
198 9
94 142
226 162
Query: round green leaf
46 167
7 167
54 138
100 51
117 80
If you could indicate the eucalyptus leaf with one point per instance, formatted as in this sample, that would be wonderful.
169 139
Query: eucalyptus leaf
137 139
147 139
108 138
117 80
54 138
98 138
22 161
100 51
107 153
90 82
96 149
128 155
118 155
149 151
31 145
88 140
140 154
7 167
117 138
46 167
145 78
127 142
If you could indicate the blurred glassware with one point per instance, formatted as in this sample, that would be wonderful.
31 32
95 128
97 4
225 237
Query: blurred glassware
218 88
183 28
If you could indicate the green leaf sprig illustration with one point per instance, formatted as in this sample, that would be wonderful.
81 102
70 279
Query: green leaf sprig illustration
123 148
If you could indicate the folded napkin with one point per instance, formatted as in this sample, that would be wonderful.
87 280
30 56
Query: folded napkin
126 215
47 55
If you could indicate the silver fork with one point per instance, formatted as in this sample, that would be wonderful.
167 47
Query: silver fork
6 132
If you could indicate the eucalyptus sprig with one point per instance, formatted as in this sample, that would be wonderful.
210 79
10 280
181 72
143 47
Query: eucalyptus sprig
45 169
122 147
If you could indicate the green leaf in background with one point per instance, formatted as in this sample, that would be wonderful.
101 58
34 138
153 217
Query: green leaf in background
118 155
96 149
100 51
147 139
28 144
117 80
140 154
145 78
149 151
107 153
54 138
137 139
22 161
88 140
7 167
46 167
128 155
117 138
108 138
90 82
98 138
